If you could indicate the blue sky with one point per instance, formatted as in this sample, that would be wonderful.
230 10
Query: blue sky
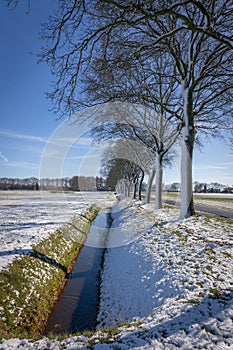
26 124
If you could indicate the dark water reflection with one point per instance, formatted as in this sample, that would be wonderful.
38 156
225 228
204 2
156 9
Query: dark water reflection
76 310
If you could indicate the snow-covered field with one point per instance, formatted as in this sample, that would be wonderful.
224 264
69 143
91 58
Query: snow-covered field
29 216
172 282
177 278
216 200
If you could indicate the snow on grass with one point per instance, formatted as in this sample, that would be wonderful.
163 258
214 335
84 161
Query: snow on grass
27 217
216 200
172 283
38 277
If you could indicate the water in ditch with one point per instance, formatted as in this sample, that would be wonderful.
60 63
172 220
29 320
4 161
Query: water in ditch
76 310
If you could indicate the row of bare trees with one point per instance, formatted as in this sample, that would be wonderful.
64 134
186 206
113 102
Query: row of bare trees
173 58
76 183
31 183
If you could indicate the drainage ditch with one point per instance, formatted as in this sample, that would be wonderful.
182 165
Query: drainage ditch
77 308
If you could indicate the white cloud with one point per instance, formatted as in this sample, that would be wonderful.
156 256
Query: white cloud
227 163
210 167
23 165
85 141
15 135
22 147
3 157
72 140
83 157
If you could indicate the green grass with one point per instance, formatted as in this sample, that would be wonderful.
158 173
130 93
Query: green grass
193 302
214 293
225 199
182 237
31 284
213 199
102 335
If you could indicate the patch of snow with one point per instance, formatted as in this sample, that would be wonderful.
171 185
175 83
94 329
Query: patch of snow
27 217
172 282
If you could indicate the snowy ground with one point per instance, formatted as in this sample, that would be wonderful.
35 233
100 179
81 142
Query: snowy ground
172 281
29 216
216 200
221 201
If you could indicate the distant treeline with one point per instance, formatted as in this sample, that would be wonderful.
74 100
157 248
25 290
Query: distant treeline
76 183
201 187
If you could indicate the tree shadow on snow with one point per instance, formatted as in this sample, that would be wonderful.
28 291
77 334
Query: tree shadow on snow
35 254
209 308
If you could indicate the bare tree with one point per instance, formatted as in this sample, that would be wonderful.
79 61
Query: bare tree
146 133
196 36
216 15
155 115
136 157
120 174
202 71
205 82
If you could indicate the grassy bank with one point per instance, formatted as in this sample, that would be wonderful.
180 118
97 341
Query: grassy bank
31 284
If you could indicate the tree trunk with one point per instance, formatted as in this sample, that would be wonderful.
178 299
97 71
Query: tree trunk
135 181
140 182
149 186
158 181
125 189
119 187
187 145
127 186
